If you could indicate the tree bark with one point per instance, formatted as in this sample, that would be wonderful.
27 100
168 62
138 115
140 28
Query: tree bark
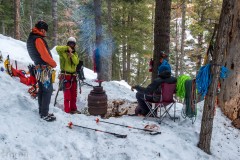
110 46
183 37
161 32
3 28
124 48
104 56
115 66
98 26
128 63
124 59
176 47
228 25
55 22
109 14
229 97
129 50
32 12
17 19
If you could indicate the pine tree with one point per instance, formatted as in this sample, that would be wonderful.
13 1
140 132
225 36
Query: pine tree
161 32
55 22
227 40
17 19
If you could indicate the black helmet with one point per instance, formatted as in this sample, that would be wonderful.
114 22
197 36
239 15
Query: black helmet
42 25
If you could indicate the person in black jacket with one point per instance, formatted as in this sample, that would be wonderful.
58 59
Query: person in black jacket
40 54
153 91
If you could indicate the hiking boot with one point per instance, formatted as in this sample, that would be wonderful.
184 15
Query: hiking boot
49 114
75 112
49 118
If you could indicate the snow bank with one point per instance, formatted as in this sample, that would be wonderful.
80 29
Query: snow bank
23 135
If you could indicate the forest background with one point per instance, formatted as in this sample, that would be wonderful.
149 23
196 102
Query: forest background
127 31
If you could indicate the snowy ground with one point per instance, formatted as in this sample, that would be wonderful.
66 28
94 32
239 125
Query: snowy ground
23 135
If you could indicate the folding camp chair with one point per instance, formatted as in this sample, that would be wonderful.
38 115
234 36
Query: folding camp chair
166 102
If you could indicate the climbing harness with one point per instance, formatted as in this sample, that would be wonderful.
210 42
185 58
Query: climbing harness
62 82
43 74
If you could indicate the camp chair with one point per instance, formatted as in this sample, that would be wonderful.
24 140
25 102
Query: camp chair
166 102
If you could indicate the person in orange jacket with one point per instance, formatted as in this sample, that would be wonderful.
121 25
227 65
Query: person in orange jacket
40 54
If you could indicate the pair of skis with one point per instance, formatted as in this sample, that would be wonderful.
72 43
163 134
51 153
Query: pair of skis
151 132
70 125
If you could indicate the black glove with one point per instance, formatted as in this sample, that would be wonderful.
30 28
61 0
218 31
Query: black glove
31 69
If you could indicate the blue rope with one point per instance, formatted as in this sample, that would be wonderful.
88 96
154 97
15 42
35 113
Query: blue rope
204 78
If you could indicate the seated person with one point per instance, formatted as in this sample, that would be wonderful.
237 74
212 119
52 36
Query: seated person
164 76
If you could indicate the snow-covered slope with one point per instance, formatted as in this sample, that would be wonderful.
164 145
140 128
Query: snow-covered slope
23 135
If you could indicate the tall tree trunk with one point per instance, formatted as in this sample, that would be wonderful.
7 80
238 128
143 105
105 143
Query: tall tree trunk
32 12
110 45
109 14
3 28
116 72
17 19
229 97
161 31
182 37
227 43
124 48
124 59
129 24
153 24
104 58
98 25
176 47
55 22
128 63
98 22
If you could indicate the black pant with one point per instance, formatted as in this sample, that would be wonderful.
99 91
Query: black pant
44 98
142 108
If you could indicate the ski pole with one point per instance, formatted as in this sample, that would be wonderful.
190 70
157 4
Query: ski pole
151 132
70 125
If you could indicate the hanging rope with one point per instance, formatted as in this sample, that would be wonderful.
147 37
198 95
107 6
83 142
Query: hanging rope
181 91
190 99
204 78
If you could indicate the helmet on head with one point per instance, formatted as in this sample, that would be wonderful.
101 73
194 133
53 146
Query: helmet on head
71 39
163 68
42 25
